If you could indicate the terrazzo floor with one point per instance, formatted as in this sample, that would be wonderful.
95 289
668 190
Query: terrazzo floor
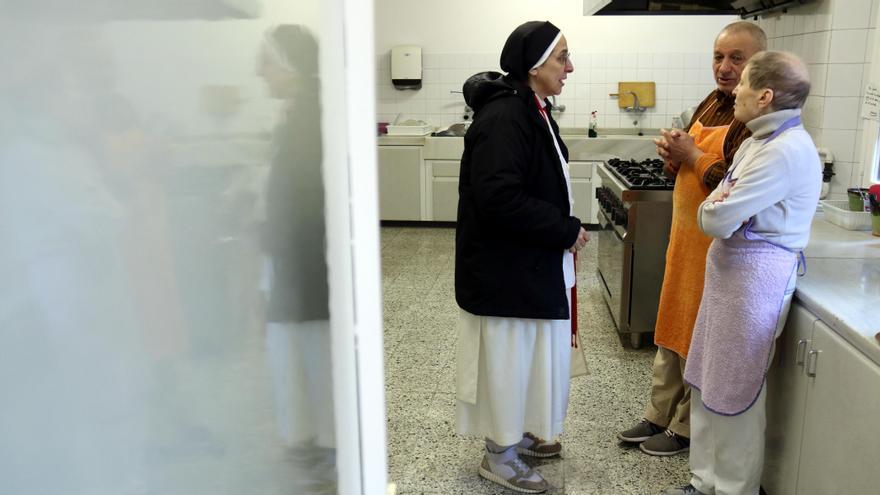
425 454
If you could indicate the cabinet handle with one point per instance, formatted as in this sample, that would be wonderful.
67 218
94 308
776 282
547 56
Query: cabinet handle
812 358
801 353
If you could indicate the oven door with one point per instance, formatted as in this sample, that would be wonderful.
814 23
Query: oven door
614 264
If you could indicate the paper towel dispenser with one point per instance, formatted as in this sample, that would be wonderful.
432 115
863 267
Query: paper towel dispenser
406 67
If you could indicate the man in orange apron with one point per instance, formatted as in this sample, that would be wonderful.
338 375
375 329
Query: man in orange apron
698 160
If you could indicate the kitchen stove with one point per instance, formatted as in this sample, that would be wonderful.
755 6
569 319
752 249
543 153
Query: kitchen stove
635 213
646 174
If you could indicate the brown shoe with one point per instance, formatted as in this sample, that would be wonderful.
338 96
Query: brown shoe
533 446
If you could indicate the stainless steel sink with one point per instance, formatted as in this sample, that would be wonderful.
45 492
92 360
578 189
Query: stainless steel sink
454 130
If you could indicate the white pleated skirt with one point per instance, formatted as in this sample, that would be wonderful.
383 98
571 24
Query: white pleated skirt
512 376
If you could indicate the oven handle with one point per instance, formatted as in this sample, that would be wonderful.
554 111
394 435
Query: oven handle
622 238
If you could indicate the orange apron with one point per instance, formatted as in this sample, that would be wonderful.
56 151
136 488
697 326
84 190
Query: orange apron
686 254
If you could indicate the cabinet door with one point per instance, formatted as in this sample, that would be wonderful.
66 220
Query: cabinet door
399 182
786 398
841 435
445 199
581 190
444 190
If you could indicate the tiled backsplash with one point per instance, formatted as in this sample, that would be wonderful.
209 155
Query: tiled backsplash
836 38
682 81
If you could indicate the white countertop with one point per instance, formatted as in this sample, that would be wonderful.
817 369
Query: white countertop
842 284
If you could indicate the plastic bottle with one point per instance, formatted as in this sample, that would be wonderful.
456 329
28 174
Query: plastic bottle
594 124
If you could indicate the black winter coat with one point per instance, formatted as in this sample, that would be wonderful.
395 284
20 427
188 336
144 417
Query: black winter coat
514 219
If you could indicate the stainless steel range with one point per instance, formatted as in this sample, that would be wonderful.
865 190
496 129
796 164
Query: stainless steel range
635 212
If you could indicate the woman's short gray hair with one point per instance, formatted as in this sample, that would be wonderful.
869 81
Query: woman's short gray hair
782 72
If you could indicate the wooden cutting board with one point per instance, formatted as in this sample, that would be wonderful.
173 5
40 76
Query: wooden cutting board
645 90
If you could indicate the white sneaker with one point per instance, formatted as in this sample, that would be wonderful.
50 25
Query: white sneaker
508 470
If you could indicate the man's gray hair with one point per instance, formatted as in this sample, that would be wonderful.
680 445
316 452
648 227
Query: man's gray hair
782 72
749 28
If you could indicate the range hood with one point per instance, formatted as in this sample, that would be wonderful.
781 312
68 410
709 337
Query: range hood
742 8
756 8
129 10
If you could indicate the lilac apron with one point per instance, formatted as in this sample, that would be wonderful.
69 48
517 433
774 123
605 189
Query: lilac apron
743 301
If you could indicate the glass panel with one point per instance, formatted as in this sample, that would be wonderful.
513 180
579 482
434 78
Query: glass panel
164 320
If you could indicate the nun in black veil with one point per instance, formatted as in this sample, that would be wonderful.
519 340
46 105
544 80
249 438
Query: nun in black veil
297 329
514 269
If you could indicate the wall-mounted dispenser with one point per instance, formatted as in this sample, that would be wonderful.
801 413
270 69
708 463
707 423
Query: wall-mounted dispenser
406 67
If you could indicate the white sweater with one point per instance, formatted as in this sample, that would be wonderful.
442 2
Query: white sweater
776 183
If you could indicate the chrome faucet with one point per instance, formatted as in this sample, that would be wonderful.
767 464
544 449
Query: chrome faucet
558 108
636 107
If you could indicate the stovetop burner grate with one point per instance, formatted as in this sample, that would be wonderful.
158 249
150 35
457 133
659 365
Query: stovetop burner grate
646 174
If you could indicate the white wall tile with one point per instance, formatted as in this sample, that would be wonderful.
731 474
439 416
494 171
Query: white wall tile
660 76
809 23
646 61
844 80
660 60
843 173
841 143
848 46
818 75
629 60
813 112
850 14
816 47
840 113
692 60
798 27
874 7
798 45
613 75
770 26
816 134
629 74
787 26
676 76
872 45
613 61
645 75
676 61
823 20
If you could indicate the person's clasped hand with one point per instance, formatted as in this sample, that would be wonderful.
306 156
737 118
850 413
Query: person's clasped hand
581 241
677 146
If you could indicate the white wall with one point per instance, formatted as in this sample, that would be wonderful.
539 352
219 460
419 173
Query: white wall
837 39
460 37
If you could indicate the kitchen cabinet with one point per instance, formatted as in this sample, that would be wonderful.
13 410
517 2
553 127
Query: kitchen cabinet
400 182
443 190
823 407
583 184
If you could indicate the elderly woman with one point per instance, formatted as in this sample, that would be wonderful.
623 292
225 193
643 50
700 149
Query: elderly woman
760 217
514 263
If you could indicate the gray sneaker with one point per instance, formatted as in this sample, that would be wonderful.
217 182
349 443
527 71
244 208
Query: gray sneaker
508 470
640 432
665 443
684 490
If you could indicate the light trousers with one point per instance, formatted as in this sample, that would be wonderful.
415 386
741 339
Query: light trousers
670 404
727 452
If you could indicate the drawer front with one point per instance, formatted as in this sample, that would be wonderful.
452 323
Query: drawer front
445 168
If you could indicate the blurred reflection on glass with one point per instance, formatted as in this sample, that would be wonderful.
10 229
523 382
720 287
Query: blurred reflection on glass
297 329
71 371
163 304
